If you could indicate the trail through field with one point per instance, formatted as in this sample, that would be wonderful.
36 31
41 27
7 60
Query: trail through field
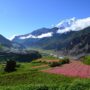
39 66
75 68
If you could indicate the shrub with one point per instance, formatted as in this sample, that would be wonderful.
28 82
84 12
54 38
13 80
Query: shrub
65 60
54 64
45 62
10 66
18 65
61 62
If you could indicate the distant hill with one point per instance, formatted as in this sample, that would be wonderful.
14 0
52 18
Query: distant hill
6 45
21 56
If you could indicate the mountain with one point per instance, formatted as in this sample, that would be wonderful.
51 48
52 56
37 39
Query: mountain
73 24
79 44
7 45
66 23
5 42
35 36
67 37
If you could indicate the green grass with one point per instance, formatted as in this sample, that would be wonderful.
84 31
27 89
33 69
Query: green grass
42 50
35 80
50 58
76 85
86 60
28 78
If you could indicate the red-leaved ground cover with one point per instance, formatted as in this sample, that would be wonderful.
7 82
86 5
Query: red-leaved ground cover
75 68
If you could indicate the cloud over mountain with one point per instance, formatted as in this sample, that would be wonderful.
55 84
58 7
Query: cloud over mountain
64 26
73 24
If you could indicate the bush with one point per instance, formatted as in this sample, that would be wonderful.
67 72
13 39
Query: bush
61 62
18 65
65 60
54 64
10 66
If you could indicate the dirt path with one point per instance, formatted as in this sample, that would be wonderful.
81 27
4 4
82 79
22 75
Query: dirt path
75 68
39 66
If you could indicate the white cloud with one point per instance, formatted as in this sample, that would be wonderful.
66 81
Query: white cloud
81 24
49 34
63 30
25 37
76 25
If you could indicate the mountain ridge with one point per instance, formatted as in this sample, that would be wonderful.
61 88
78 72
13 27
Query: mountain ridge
64 26
4 41
58 41
69 40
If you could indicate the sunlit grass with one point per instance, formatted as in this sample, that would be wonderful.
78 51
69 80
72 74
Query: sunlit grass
86 60
28 78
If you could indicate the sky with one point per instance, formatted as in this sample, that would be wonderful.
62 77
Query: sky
19 17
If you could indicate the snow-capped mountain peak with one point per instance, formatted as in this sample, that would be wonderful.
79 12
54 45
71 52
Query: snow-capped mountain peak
66 23
73 24
64 26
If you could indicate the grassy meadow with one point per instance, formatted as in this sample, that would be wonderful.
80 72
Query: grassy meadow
29 76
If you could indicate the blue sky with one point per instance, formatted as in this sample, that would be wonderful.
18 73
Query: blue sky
23 16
